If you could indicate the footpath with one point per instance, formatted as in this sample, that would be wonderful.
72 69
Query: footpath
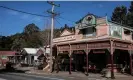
81 76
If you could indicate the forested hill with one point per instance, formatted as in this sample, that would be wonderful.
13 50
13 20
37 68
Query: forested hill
31 37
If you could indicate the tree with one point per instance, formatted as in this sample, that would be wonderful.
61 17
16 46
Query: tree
130 15
31 28
18 44
131 7
5 42
119 15
32 36
45 35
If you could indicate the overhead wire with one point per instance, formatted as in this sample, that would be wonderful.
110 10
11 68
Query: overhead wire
66 19
22 11
59 23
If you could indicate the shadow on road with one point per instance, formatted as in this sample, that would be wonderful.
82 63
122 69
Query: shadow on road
10 69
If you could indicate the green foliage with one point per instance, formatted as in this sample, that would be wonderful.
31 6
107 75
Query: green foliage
31 37
131 7
119 15
5 42
130 15
31 28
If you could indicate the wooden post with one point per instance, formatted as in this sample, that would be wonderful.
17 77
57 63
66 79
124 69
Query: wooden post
87 51
130 55
87 63
112 60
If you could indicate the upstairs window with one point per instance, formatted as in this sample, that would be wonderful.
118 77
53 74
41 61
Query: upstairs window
87 32
127 32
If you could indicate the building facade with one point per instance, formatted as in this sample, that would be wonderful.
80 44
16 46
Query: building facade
96 35
8 56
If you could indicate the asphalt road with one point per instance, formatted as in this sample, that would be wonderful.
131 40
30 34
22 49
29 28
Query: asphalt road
23 76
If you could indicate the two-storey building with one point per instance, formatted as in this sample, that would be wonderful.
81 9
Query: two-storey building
99 41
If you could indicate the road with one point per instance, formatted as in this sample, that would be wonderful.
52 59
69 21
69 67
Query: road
23 76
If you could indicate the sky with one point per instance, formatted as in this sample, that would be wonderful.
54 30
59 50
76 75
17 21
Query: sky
12 22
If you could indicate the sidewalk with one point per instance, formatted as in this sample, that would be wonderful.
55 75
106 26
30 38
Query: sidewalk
79 75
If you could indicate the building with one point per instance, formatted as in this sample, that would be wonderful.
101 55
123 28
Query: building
97 40
29 55
8 56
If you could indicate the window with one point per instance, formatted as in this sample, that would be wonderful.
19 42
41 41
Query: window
88 31
126 32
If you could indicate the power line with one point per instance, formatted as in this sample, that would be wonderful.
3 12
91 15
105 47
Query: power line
59 23
67 19
23 11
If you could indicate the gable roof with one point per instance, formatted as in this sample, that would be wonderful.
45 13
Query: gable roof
69 32
30 50
69 29
41 50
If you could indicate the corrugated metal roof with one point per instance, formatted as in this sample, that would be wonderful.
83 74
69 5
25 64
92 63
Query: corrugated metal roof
31 50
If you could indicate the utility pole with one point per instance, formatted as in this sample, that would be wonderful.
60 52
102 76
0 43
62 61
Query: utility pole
53 14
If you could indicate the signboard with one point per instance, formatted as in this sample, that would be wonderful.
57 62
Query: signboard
4 57
115 31
35 57
47 50
65 38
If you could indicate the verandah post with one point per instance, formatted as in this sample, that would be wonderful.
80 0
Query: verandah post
130 55
112 59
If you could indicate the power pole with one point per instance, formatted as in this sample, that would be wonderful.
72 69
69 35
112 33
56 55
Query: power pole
53 14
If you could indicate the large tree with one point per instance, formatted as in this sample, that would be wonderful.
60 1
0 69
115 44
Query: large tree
28 38
130 15
119 15
31 28
32 36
